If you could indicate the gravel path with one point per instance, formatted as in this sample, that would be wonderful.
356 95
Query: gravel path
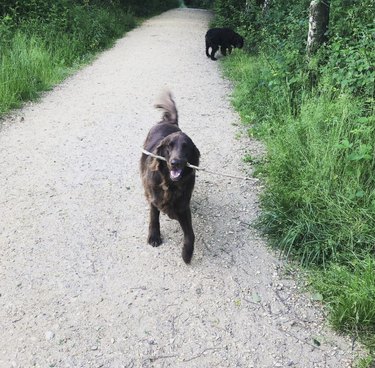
79 286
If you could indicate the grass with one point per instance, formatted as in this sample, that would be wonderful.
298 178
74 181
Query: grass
319 201
41 43
36 54
350 293
26 68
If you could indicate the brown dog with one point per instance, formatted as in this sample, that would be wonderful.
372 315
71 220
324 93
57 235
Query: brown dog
169 184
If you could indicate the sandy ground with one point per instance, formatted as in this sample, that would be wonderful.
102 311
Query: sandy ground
79 286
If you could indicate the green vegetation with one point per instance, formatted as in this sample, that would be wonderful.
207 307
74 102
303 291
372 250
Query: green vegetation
204 4
316 118
41 42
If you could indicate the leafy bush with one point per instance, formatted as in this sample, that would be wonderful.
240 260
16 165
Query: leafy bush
40 40
319 200
149 7
312 136
228 13
25 69
204 4
350 291
320 195
316 118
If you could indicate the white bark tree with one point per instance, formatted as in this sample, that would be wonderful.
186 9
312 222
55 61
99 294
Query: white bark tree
318 25
266 6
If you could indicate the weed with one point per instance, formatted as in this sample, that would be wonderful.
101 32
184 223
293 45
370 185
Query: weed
41 43
319 201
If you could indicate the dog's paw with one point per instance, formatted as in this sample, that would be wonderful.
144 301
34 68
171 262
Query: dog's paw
154 240
187 254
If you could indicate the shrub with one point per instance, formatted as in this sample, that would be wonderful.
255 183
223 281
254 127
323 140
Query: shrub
350 293
316 118
320 194
205 4
41 40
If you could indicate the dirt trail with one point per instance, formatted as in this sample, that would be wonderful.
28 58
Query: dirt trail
79 286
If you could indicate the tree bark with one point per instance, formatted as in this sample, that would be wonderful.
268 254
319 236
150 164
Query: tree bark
318 25
266 6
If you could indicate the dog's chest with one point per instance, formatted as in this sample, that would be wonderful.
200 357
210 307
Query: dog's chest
171 199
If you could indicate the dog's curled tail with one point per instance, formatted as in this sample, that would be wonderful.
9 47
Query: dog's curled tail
167 104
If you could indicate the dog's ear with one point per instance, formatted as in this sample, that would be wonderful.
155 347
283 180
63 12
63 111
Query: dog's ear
160 151
194 159
154 166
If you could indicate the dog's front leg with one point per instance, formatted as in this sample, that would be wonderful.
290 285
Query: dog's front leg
184 218
214 48
207 48
154 237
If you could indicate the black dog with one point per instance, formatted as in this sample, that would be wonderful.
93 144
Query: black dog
225 38
169 184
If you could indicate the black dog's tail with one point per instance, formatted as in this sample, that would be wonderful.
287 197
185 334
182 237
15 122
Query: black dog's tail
167 104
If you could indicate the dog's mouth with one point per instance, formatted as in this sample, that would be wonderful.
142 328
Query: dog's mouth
175 174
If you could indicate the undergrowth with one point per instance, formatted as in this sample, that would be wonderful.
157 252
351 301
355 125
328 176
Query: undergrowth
316 119
42 42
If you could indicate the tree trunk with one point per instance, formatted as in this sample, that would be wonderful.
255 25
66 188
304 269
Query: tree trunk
266 6
318 25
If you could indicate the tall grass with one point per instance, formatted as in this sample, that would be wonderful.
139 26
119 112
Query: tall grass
319 201
37 51
350 293
316 118
320 176
42 41
26 67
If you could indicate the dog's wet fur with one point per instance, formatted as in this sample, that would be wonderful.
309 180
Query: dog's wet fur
169 184
223 38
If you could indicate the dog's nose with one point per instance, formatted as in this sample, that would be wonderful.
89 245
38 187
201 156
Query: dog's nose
176 163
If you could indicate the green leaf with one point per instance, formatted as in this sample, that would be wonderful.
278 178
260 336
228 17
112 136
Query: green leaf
316 341
317 297
345 144
255 298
